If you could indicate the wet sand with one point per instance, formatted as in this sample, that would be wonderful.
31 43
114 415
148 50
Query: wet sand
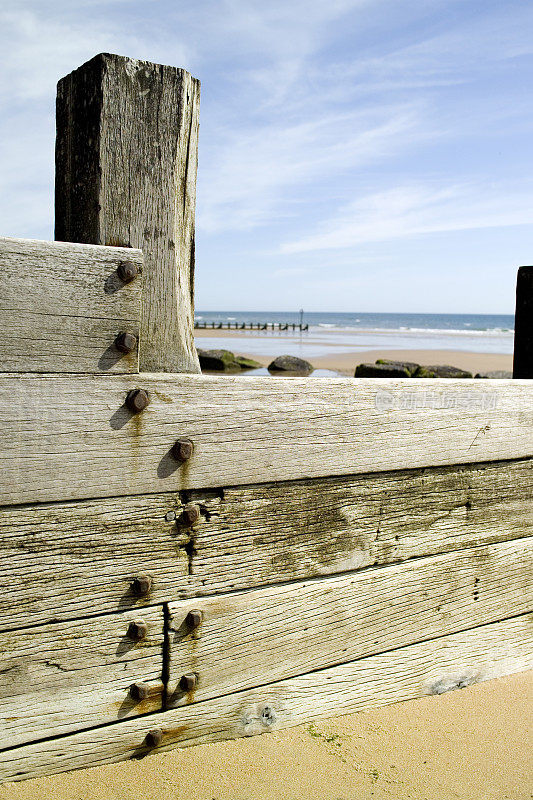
470 744
345 362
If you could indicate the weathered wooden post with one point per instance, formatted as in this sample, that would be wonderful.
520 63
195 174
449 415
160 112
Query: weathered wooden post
126 159
523 336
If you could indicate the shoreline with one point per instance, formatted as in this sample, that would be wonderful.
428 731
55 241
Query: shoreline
344 361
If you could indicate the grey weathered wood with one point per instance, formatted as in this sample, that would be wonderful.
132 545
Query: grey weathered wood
126 159
523 336
70 676
248 536
427 668
247 639
72 437
63 305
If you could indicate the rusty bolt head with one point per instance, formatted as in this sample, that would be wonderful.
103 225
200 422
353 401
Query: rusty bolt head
182 449
188 682
190 513
137 630
137 400
127 271
154 737
141 585
194 618
126 342
138 691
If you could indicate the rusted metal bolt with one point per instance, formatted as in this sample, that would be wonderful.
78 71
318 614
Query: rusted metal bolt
137 630
127 271
154 737
137 400
188 682
141 585
126 342
190 513
194 618
138 691
182 449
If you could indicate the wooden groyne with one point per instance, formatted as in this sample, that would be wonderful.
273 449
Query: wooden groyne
186 557
251 326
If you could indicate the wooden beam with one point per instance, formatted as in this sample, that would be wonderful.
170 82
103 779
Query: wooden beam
427 668
62 307
251 638
71 676
126 158
68 437
247 536
523 336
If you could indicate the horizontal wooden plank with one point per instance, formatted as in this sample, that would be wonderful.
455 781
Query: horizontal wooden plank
427 668
247 536
250 638
72 436
75 675
62 306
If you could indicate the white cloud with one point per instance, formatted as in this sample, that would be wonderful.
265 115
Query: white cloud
412 210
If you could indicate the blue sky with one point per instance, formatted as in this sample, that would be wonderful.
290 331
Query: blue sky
355 155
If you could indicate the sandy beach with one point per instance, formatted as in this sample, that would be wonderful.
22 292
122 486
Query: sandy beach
469 744
344 361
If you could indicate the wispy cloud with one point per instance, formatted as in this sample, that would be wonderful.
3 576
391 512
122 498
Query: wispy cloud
412 210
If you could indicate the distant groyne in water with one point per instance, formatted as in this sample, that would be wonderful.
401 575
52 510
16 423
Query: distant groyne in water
252 326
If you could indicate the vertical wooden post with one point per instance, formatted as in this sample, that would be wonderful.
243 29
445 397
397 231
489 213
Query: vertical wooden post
126 159
523 326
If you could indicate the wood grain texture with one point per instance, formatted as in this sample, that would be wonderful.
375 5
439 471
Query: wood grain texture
248 536
66 437
247 639
523 335
75 675
427 668
126 160
63 305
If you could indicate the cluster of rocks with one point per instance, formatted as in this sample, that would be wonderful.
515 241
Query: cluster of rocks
226 361
387 368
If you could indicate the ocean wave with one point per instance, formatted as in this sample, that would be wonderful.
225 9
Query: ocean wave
405 330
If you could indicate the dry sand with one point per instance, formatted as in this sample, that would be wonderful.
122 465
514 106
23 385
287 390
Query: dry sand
470 744
345 363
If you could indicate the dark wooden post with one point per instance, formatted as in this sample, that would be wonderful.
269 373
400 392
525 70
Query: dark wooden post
126 159
523 325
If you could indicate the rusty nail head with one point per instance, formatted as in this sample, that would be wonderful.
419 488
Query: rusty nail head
126 342
138 691
141 585
137 630
127 271
194 618
137 400
191 513
188 682
154 737
170 516
182 449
